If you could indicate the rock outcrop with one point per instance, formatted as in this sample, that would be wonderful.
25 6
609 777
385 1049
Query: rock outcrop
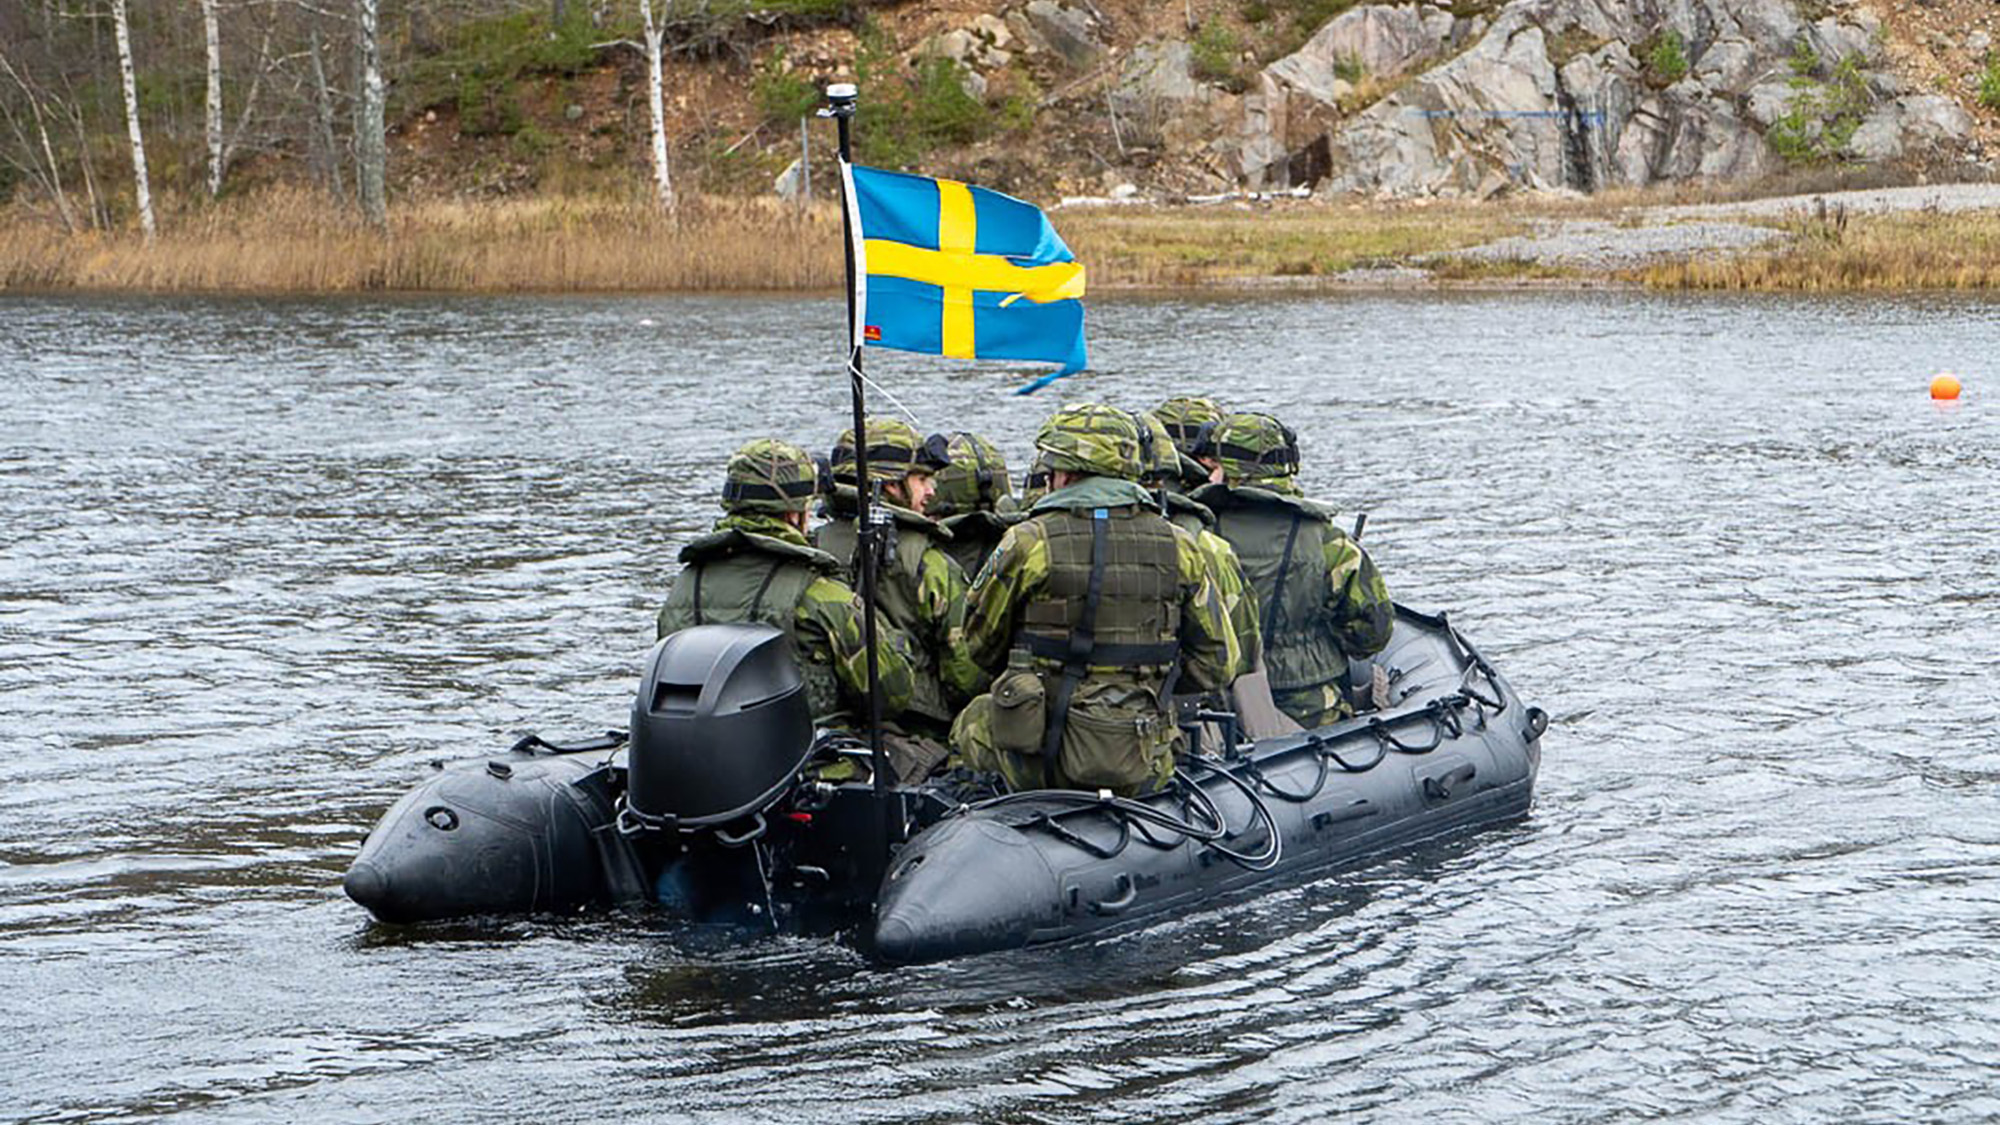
1588 94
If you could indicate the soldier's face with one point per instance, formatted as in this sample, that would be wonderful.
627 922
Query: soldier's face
919 487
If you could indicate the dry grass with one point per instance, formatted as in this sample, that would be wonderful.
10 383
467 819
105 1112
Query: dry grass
286 241
1145 247
1871 253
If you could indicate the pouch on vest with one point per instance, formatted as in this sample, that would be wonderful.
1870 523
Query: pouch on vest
1114 748
1020 711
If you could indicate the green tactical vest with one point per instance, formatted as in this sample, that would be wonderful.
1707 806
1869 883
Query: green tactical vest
1301 647
974 535
896 596
733 577
1139 601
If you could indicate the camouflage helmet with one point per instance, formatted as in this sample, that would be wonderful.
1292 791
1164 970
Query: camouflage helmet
894 452
975 481
1036 484
1091 438
769 475
1254 447
1184 416
1159 460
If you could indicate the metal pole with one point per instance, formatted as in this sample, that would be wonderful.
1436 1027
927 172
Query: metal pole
806 165
841 98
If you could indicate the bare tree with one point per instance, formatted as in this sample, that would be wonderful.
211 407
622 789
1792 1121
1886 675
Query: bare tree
325 145
211 34
656 102
371 142
38 160
122 26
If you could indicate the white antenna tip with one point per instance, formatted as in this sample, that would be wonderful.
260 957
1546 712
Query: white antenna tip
841 90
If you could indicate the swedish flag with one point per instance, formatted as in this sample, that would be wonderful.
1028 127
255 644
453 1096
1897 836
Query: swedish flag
954 270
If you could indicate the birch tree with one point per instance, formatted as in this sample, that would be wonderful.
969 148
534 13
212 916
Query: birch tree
656 102
211 35
122 27
371 143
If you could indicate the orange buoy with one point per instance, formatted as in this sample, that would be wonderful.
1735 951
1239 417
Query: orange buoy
1945 387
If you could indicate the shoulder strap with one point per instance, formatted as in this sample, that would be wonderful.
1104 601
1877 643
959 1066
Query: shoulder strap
698 568
1278 589
757 600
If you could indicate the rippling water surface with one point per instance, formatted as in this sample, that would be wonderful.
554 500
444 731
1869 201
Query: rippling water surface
263 561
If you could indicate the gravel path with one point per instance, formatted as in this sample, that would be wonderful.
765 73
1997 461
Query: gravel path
1648 234
1877 201
1594 245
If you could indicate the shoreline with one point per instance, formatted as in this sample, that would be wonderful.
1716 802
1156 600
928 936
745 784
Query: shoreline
1917 239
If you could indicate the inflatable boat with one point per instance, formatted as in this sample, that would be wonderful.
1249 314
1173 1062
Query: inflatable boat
715 807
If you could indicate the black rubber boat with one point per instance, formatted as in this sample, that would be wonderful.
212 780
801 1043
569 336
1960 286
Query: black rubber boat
711 812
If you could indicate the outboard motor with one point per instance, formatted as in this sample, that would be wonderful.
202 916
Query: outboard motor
720 729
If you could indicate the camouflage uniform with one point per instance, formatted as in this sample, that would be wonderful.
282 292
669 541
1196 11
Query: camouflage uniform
1161 459
1321 597
755 567
1187 419
918 588
1094 607
974 500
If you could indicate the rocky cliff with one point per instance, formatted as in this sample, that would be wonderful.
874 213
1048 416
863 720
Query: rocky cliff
1422 100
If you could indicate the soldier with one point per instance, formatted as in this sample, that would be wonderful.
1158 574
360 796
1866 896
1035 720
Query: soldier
918 588
1187 420
1093 606
1162 474
973 498
1321 598
756 566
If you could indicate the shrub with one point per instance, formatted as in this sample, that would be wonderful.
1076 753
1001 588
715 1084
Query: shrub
1805 60
1667 60
903 117
1348 69
782 95
1989 83
1823 116
1216 51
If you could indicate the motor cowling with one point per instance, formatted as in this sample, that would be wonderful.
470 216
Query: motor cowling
720 728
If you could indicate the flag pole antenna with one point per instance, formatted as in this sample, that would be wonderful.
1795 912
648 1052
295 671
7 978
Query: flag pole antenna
841 98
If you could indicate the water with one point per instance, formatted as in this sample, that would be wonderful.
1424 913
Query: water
263 561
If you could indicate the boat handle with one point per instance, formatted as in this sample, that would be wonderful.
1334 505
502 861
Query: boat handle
1127 894
1440 788
1538 723
755 831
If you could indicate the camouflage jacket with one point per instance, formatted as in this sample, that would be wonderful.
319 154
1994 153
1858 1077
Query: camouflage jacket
825 624
1230 582
1018 571
1325 613
920 590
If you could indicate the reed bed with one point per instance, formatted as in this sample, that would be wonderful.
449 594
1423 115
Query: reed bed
286 241
1866 254
291 242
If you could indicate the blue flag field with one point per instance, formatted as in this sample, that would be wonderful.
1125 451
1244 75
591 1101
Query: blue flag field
949 269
